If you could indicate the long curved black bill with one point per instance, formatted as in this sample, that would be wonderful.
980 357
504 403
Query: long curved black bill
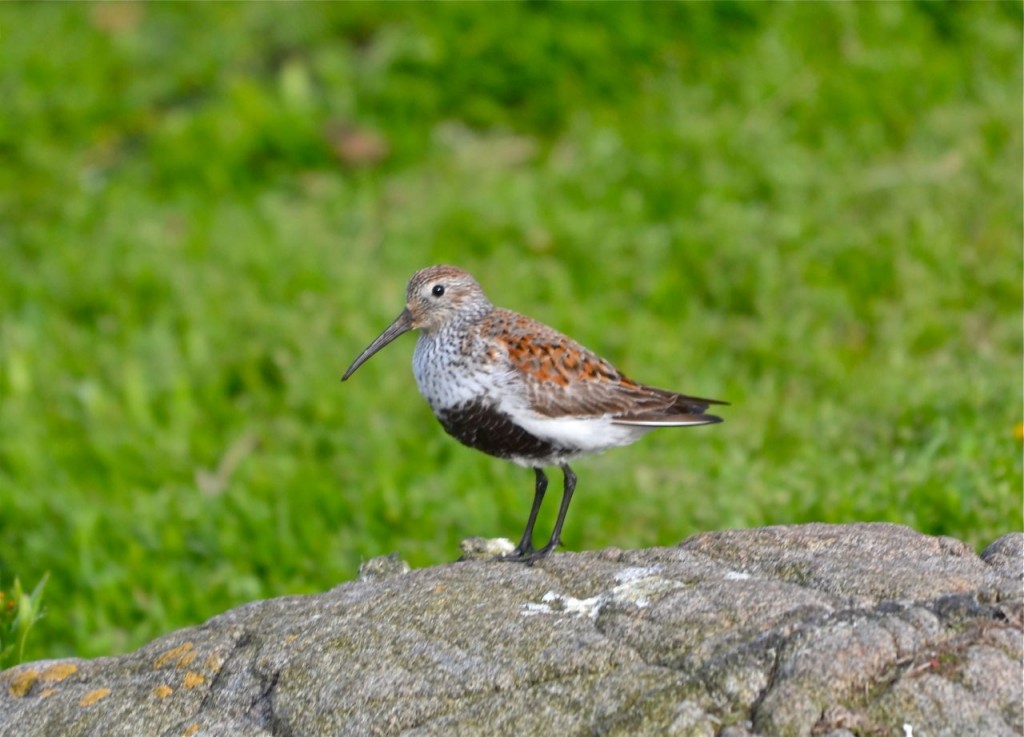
402 324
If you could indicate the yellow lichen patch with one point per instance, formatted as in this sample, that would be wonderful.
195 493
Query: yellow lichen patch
181 656
190 730
58 672
47 693
290 639
22 682
214 663
163 691
192 680
93 696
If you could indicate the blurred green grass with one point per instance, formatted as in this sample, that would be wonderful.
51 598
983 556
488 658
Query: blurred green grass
813 211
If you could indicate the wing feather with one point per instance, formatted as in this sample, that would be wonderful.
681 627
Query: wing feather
562 378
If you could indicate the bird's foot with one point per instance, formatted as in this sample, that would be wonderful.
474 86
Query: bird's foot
529 555
517 556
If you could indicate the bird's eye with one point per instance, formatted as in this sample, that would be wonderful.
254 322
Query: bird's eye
438 290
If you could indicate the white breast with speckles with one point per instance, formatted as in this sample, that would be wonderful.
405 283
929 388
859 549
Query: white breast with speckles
448 377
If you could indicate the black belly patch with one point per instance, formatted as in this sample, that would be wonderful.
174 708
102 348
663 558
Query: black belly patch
480 425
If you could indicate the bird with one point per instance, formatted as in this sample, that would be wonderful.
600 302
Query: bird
514 388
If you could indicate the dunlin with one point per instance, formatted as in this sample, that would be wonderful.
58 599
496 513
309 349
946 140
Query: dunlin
516 389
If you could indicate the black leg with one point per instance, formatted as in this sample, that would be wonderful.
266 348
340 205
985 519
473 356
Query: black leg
525 546
556 534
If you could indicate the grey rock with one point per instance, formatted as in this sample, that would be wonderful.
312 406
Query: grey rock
815 629
382 568
1006 555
